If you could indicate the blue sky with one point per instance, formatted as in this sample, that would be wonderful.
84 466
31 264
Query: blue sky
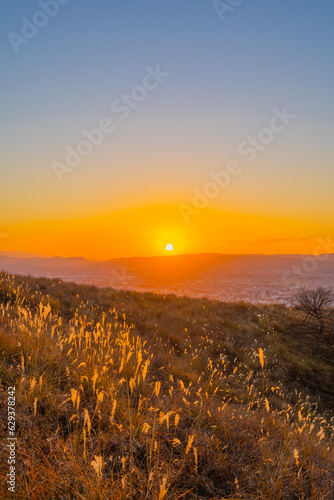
225 77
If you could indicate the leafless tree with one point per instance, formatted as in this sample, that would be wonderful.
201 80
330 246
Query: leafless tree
315 303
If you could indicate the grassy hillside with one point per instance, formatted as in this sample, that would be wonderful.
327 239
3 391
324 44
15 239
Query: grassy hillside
128 395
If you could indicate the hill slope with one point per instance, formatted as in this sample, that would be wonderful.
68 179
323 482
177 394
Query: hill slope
128 395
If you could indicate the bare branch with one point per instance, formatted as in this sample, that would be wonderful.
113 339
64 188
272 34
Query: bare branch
314 302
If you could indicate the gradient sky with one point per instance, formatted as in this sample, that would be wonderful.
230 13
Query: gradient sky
225 78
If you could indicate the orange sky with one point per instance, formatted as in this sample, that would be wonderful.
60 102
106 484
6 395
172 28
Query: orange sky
146 231
142 108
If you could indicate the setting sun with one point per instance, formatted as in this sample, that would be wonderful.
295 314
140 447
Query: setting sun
169 247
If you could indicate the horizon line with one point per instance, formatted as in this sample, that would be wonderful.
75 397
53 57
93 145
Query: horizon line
31 255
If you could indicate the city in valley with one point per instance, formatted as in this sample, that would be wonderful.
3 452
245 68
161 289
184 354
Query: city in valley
226 278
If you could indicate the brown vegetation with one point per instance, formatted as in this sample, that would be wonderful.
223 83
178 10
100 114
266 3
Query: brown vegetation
314 303
126 395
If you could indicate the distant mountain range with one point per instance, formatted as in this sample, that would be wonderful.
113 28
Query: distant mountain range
223 277
26 255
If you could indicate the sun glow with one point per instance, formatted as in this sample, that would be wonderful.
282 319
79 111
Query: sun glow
170 239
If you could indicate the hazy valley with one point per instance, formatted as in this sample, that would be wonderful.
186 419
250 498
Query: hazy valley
231 278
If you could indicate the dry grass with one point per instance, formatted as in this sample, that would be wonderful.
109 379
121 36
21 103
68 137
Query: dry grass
111 411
